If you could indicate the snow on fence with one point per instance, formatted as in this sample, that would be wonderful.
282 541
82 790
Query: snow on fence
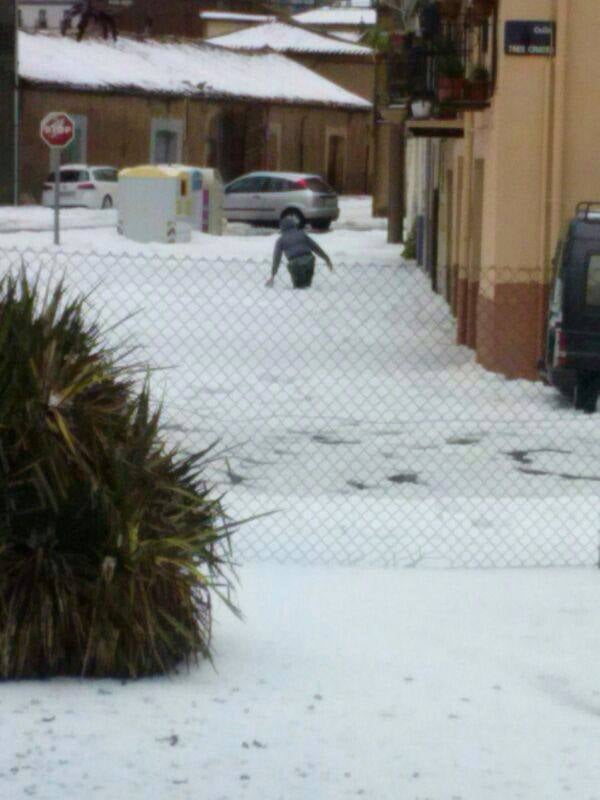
345 414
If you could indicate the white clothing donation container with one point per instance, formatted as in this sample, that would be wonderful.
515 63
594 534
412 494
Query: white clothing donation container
155 203
211 210
206 195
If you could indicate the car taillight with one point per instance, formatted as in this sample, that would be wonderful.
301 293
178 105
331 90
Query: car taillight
560 348
301 184
85 186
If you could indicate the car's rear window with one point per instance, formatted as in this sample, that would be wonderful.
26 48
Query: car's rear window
106 174
319 185
592 290
70 176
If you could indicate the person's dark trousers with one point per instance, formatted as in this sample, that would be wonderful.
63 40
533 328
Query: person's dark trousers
301 270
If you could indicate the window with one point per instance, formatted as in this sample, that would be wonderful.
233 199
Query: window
66 18
592 290
20 18
318 185
70 176
260 183
165 141
42 20
243 185
107 175
557 269
278 185
165 147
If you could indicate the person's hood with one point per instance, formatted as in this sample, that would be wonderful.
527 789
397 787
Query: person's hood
288 224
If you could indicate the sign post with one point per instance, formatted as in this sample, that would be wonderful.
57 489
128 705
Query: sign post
57 130
8 103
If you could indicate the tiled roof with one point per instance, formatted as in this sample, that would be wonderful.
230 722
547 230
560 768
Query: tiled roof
177 68
284 38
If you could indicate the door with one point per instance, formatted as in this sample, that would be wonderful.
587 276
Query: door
227 138
335 162
242 201
272 198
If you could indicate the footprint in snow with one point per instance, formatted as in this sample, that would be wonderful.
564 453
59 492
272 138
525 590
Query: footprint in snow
404 477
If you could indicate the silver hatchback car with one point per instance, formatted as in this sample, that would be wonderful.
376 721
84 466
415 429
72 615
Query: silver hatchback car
263 198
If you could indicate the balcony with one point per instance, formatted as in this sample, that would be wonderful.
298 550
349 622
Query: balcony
447 67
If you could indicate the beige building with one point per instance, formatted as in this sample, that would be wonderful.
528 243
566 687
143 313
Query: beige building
493 173
137 102
346 22
349 65
220 23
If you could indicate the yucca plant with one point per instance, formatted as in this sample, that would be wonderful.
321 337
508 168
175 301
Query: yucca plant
111 544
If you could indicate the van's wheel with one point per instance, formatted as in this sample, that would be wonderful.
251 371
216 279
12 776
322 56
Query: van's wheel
107 202
586 392
296 215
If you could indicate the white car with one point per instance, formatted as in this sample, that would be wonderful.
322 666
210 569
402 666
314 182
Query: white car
83 185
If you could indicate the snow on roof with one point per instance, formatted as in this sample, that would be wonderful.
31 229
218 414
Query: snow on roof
348 36
195 70
330 15
287 39
232 16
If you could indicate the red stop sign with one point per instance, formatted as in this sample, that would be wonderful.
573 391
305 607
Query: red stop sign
57 129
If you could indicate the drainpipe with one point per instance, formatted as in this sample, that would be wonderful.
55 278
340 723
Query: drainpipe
560 87
545 208
17 118
464 243
545 184
186 139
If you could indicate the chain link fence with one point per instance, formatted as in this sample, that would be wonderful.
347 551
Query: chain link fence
347 419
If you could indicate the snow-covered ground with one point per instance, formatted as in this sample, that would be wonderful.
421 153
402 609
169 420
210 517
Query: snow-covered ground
356 236
341 683
348 410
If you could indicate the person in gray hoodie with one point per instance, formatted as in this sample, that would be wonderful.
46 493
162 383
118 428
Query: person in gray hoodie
298 248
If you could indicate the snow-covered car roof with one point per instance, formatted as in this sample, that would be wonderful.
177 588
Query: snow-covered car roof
267 173
283 38
176 68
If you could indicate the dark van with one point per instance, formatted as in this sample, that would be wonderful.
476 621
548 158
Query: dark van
572 356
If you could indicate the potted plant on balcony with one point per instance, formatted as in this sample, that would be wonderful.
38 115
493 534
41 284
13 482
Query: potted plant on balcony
421 106
478 87
451 77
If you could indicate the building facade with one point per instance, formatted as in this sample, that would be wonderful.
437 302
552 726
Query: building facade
39 15
349 65
494 171
178 102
